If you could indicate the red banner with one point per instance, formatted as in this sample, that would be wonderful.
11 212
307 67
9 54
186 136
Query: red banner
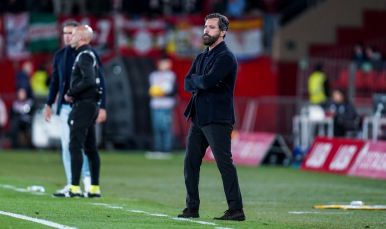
371 161
247 148
141 37
103 28
1 37
334 155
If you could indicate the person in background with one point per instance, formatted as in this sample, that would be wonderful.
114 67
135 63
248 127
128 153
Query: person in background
318 86
346 118
23 78
21 118
374 58
39 84
3 117
359 54
235 8
162 92
60 83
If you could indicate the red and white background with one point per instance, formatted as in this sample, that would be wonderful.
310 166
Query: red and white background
247 148
347 156
371 161
103 28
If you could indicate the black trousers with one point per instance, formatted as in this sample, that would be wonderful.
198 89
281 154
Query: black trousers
17 125
218 137
83 138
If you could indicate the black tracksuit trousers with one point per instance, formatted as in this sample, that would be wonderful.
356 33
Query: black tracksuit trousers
83 137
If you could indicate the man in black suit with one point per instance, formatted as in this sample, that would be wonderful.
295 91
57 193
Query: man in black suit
211 80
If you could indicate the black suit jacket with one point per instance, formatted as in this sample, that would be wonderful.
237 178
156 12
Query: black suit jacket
212 85
63 63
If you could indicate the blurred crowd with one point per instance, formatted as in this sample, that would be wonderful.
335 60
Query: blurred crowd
31 92
347 121
367 57
152 8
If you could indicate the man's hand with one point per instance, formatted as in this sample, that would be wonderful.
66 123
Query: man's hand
47 114
101 116
68 99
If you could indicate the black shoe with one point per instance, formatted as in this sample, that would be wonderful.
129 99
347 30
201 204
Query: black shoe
74 195
189 213
236 215
68 194
93 195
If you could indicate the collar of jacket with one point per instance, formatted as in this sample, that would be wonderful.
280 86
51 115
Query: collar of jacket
216 49
82 48
70 49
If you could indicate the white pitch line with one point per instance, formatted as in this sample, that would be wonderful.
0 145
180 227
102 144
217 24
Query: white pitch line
326 213
7 186
44 222
162 215
137 211
159 215
21 189
194 221
100 204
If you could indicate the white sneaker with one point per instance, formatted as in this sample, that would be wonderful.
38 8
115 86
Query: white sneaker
87 184
64 190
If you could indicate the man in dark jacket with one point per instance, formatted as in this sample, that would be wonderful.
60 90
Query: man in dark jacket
346 118
211 80
60 83
84 98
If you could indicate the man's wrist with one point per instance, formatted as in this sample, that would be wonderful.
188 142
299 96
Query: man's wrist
47 105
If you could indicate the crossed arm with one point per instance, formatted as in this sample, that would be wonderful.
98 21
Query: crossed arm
220 68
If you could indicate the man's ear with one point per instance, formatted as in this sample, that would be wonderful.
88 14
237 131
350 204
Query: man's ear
222 33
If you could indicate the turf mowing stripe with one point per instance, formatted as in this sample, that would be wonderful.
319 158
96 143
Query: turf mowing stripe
161 215
44 222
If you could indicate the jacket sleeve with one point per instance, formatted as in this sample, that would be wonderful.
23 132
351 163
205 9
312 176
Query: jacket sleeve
54 85
85 64
221 67
103 80
187 82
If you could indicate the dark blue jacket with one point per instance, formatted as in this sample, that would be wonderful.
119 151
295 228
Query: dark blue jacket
212 84
61 76
22 81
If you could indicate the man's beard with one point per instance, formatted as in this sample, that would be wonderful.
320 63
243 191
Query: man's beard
209 40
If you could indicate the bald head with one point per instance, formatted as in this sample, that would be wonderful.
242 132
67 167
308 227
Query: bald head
81 35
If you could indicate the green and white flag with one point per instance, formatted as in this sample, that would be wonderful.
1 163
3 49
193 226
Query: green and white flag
43 32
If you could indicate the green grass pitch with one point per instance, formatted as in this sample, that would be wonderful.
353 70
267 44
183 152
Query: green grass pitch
141 193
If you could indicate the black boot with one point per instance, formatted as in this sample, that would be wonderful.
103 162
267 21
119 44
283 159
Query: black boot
189 213
236 215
